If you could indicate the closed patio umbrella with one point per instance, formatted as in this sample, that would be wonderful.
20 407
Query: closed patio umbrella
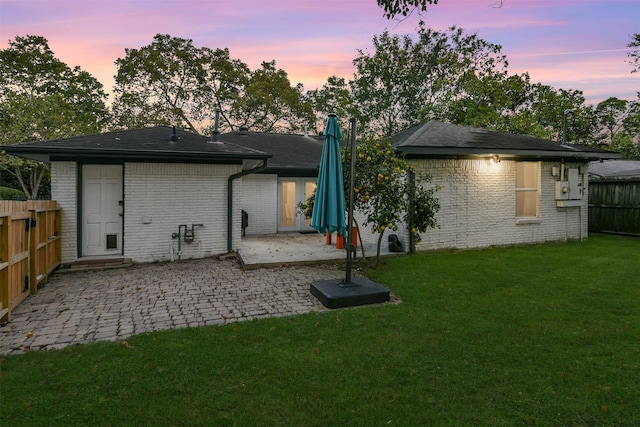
329 215
329 207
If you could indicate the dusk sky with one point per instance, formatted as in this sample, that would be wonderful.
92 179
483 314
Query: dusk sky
567 44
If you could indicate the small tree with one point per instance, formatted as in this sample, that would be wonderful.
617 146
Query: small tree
386 193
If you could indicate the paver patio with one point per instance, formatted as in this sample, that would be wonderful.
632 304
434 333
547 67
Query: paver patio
87 306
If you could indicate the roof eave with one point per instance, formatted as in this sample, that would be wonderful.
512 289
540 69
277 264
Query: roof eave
49 153
446 152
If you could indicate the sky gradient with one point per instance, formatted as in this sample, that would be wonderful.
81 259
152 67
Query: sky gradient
566 44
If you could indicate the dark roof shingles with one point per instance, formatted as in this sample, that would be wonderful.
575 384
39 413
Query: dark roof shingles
433 135
152 140
289 150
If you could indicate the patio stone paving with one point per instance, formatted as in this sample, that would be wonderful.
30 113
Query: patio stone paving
87 306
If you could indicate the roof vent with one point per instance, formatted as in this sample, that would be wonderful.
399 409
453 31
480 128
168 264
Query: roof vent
215 135
174 136
244 130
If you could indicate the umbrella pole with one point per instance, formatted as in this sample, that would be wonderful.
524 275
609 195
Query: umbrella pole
352 172
348 292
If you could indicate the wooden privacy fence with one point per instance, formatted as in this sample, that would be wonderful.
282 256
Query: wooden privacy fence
614 206
29 249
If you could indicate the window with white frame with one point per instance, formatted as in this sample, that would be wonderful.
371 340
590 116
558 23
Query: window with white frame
527 189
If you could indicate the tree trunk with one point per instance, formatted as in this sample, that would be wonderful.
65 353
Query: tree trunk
30 188
364 257
378 249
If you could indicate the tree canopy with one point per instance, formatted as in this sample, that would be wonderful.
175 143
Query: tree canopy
387 192
269 102
69 100
403 80
171 81
460 78
43 98
393 8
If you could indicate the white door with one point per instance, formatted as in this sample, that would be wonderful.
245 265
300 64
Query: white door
102 210
292 191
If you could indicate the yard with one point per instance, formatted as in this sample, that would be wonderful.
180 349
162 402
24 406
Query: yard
531 335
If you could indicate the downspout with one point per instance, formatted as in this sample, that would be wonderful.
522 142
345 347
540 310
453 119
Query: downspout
412 198
232 178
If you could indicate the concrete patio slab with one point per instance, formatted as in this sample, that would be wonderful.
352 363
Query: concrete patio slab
293 249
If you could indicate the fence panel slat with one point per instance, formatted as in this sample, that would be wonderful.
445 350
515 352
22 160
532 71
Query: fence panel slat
29 249
614 206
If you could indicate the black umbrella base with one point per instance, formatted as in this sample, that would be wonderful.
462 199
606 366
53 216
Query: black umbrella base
360 291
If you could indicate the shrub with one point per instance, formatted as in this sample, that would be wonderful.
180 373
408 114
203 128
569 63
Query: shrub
7 193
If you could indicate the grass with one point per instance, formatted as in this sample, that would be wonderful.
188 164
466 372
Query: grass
537 335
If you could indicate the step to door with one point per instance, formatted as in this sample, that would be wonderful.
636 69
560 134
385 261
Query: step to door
95 264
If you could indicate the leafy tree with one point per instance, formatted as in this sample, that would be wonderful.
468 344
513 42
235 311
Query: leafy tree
42 98
172 81
484 102
407 81
634 53
333 97
392 8
610 115
460 78
632 120
619 125
488 97
547 107
385 192
382 85
513 98
269 102
625 145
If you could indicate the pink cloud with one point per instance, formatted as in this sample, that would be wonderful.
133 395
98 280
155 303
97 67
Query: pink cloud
567 44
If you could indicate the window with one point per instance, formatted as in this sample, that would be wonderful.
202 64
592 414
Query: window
527 178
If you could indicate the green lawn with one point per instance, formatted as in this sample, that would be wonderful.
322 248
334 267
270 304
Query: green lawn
537 335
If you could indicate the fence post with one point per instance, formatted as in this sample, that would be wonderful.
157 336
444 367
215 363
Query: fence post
4 267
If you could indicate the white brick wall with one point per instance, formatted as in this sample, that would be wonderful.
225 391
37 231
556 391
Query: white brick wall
167 194
477 207
173 194
477 202
63 189
260 200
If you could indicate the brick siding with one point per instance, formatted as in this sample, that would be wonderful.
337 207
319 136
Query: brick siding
63 190
260 201
477 207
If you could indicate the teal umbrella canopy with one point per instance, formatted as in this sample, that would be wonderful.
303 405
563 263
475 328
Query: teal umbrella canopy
329 206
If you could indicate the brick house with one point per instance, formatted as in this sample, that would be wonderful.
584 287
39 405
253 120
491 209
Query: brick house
498 188
151 194
495 188
270 197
